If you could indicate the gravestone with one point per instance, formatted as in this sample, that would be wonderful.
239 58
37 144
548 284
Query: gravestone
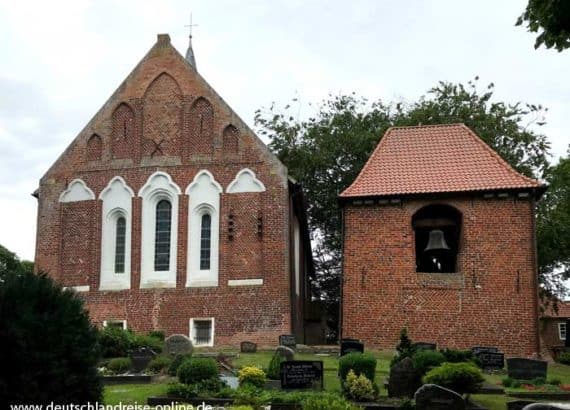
547 406
285 352
491 360
248 347
518 404
351 346
425 346
434 397
140 358
178 344
302 374
404 379
526 369
288 341
482 349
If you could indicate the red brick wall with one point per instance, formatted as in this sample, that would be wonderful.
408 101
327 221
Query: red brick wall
490 301
168 101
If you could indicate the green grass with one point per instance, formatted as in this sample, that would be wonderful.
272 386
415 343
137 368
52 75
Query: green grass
132 393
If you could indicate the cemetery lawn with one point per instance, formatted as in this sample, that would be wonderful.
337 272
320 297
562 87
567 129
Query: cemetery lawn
132 393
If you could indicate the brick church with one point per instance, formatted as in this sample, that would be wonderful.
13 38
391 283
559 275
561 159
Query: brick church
439 237
168 213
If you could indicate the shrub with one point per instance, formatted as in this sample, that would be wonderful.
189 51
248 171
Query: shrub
538 381
248 394
119 365
181 390
50 349
157 334
115 341
459 377
361 363
195 370
457 356
274 369
149 342
404 348
251 375
424 360
326 401
176 362
507 382
564 358
159 364
555 381
358 388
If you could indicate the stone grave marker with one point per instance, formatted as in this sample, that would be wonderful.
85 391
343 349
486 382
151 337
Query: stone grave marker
248 347
526 369
178 344
434 397
285 352
404 379
518 404
350 346
547 406
140 358
483 349
425 346
288 341
491 360
302 374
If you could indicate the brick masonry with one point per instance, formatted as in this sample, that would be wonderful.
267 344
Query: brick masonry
490 301
165 117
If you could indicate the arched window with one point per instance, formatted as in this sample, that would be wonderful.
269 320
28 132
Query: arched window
120 241
162 235
437 230
205 241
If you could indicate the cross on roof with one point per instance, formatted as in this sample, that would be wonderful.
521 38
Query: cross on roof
191 25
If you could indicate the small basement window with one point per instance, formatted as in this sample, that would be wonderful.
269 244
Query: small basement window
202 332
437 230
122 324
562 330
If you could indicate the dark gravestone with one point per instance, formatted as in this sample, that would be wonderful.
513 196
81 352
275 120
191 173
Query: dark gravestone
518 404
434 397
140 358
351 346
285 352
404 379
288 340
178 344
248 347
547 406
302 374
425 346
491 360
482 349
526 369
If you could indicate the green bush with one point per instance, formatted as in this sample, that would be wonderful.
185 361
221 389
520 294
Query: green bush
115 341
157 334
274 369
459 377
183 391
119 365
248 394
404 348
150 342
50 349
424 360
159 364
195 370
507 382
564 358
327 401
538 381
358 388
251 375
176 362
555 381
457 356
361 363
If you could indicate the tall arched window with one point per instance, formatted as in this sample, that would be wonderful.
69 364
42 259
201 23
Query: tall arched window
120 241
205 241
162 235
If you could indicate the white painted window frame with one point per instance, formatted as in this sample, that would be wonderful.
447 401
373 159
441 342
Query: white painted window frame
159 186
212 331
560 330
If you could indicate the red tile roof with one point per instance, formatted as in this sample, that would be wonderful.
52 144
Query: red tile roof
562 312
432 159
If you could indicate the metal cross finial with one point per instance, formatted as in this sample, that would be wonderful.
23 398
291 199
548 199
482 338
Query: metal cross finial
191 25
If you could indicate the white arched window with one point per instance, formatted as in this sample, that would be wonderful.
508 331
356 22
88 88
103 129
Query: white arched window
159 231
116 235
203 230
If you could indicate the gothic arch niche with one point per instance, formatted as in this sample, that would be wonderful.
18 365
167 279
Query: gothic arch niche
161 118
123 134
94 148
201 127
230 140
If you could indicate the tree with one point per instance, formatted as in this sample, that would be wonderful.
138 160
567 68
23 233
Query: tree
550 16
49 347
326 152
9 262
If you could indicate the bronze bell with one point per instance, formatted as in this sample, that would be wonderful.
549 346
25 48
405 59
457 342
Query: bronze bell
436 241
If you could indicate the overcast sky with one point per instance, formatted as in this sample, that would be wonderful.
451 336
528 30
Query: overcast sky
60 61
